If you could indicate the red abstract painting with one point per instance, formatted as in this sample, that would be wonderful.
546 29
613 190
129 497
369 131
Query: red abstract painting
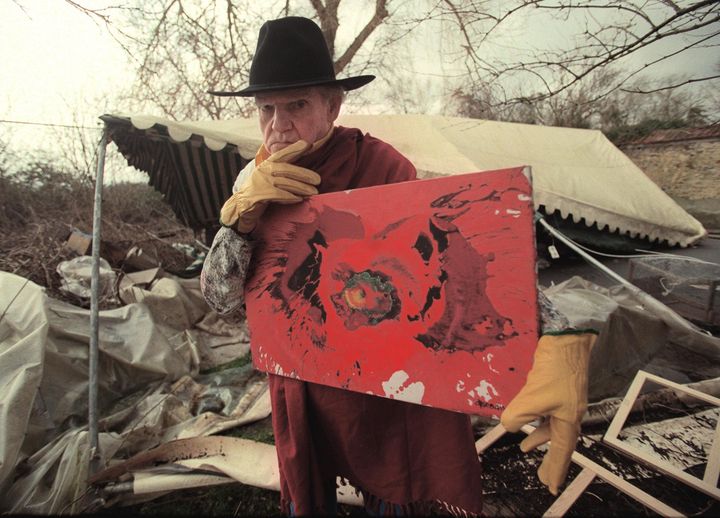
422 291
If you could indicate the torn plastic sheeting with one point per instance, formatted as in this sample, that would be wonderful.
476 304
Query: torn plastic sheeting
633 336
53 479
76 275
139 423
43 362
184 449
233 406
23 328
689 336
172 302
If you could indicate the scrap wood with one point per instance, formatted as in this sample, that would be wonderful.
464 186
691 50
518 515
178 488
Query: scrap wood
580 483
571 493
489 438
604 411
708 484
213 460
165 453
618 482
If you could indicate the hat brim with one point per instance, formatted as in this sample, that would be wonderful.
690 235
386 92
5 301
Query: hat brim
349 83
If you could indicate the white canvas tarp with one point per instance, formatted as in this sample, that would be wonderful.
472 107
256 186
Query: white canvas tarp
150 388
576 172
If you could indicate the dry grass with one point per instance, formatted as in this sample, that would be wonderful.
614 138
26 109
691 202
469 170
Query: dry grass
40 208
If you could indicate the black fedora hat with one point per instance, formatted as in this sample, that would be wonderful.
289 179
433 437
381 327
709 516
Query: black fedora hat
291 53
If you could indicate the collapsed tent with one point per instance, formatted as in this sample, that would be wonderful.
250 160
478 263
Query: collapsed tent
152 389
156 399
577 173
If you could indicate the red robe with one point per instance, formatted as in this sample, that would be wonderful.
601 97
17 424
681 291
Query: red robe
405 458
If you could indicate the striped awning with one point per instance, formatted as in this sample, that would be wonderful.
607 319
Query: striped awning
194 178
577 173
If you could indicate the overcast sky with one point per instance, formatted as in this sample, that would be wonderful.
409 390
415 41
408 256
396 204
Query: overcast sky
53 56
58 64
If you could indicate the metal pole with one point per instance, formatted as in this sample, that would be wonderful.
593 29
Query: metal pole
94 308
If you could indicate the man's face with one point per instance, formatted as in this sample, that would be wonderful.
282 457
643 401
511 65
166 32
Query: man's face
290 115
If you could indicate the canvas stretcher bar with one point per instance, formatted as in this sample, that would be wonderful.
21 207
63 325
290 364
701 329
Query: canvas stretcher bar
568 497
586 476
708 484
618 482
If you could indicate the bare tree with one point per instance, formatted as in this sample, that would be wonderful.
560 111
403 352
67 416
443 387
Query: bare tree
519 52
610 32
183 48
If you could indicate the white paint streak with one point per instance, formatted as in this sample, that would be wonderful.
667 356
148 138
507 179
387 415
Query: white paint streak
484 391
488 359
514 213
460 386
397 387
524 197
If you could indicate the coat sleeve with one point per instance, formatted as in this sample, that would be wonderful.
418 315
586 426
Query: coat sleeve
222 279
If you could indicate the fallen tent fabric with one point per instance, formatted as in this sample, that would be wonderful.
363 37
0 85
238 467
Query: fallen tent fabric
152 393
576 172
150 388
634 336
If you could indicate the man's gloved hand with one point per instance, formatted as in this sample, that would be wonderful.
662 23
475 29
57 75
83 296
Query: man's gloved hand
274 180
556 387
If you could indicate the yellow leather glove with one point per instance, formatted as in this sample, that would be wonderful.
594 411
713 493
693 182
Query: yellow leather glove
556 387
274 180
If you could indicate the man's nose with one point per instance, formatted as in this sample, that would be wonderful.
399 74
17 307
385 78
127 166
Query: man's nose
281 121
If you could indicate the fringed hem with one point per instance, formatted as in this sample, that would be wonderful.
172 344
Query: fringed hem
378 507
375 506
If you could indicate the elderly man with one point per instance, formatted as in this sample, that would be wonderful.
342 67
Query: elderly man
404 458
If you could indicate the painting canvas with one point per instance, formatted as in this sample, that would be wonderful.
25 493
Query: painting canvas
422 291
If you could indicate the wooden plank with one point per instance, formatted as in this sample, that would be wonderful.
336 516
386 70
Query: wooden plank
625 406
712 470
487 440
619 483
571 493
708 484
421 291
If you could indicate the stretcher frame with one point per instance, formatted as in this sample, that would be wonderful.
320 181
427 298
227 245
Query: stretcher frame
568 497
708 484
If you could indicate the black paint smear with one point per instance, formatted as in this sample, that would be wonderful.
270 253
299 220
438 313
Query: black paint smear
440 237
306 278
424 247
434 293
447 200
469 322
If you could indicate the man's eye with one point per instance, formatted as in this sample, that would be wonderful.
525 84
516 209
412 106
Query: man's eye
265 108
297 105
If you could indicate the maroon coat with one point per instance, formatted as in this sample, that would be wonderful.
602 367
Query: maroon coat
403 457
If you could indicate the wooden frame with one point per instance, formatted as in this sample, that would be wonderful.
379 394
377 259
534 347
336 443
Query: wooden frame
708 484
568 497
590 470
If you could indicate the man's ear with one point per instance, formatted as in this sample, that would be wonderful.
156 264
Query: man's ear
334 103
